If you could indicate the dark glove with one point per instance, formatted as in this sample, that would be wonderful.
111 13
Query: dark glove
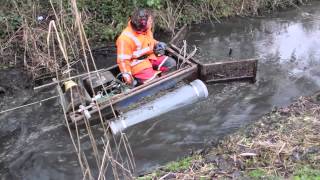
159 48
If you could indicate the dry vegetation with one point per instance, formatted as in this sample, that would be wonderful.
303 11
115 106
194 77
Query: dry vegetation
56 50
23 35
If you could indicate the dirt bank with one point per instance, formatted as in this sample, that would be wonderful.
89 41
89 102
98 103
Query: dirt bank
284 143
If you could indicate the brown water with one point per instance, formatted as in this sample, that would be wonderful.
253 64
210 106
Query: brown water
35 145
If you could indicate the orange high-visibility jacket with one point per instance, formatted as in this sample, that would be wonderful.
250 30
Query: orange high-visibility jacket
132 45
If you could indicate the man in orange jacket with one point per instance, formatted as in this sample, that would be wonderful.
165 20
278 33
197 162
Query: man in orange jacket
139 55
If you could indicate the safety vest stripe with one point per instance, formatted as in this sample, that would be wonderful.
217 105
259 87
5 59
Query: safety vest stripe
134 39
122 49
123 64
135 62
124 56
140 52
153 77
163 61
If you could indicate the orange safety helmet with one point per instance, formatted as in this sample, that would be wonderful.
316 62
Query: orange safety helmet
139 20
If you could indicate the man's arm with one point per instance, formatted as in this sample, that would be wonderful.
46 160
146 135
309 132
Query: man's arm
124 55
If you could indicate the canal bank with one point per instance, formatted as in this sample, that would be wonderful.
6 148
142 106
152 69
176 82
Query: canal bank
284 143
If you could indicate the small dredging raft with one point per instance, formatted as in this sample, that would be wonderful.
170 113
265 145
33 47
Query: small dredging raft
101 96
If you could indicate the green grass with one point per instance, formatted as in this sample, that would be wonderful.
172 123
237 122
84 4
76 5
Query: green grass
151 176
5 66
180 165
257 174
262 174
148 177
204 178
306 173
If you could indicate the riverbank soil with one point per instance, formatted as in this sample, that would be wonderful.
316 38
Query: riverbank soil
284 143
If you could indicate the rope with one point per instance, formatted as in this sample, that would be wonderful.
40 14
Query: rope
26 105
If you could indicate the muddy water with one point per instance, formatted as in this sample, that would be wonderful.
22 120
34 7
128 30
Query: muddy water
287 46
34 144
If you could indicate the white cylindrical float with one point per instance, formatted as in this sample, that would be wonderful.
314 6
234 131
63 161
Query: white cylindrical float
185 95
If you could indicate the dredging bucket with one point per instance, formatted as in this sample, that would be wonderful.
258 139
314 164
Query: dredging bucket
185 95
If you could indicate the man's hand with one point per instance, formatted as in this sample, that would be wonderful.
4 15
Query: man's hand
127 78
160 48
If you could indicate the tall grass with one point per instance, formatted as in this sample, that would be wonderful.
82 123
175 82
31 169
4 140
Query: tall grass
177 13
59 47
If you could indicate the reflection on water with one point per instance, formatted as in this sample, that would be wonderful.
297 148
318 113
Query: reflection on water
34 144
